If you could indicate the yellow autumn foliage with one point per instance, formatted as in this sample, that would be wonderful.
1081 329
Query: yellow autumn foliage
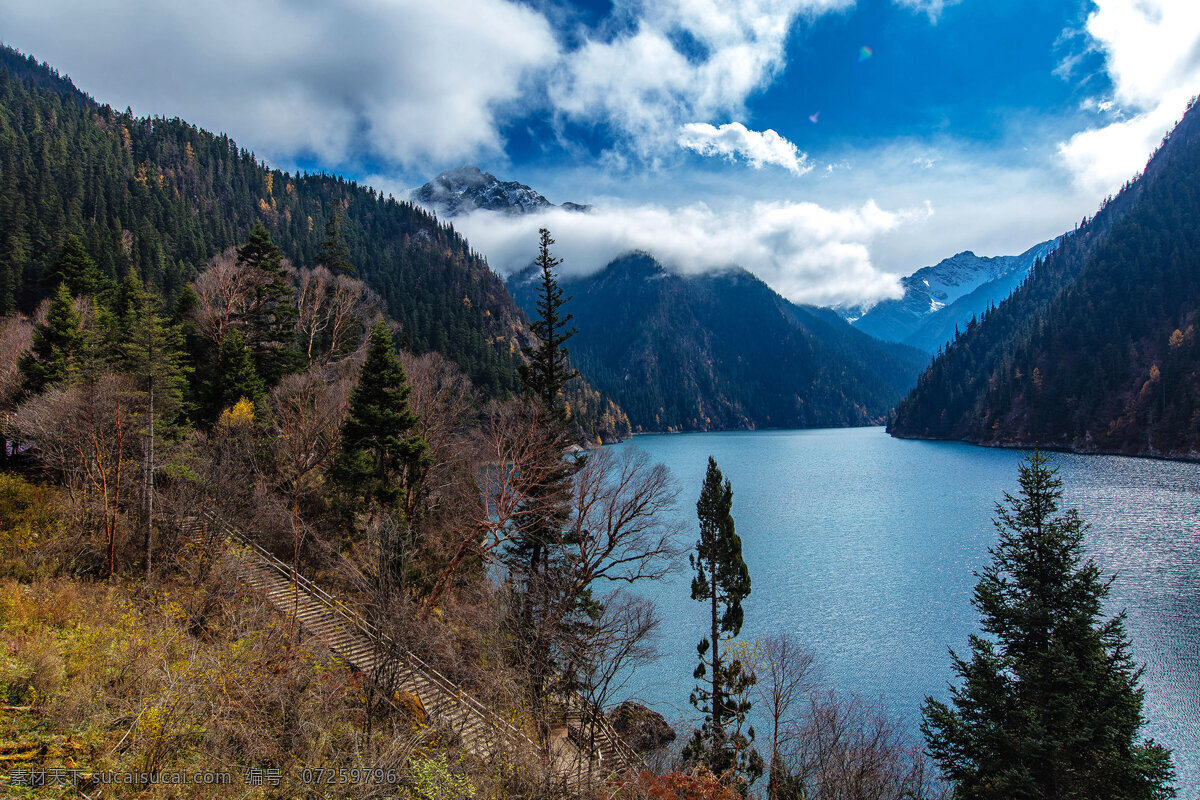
238 415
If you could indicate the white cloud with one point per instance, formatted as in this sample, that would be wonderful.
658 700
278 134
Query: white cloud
991 201
397 81
645 83
1102 159
807 253
734 139
931 8
1152 55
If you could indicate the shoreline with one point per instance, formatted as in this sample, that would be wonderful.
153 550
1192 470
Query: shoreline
1188 458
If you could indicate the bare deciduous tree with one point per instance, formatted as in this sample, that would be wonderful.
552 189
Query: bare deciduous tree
841 749
308 410
785 677
16 335
85 432
606 652
446 405
516 451
227 292
620 529
332 311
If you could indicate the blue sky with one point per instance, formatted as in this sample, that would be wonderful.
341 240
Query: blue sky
967 73
827 145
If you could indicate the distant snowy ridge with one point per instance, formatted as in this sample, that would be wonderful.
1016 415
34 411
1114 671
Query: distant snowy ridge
947 295
468 188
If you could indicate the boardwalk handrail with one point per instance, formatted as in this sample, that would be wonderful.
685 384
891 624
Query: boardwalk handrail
590 712
444 684
586 710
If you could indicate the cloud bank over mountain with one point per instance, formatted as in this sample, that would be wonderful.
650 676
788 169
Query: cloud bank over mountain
807 253
688 116
405 82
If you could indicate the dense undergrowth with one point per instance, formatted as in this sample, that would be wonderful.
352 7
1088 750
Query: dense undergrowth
195 675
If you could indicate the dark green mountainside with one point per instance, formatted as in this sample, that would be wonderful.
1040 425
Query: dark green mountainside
723 351
1098 351
164 196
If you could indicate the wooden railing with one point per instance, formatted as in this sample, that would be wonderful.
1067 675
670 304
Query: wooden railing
511 733
587 727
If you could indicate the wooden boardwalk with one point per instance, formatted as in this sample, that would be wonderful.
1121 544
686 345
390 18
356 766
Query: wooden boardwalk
579 753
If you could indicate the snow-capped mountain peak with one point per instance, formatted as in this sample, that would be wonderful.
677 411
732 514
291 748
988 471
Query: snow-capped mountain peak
949 293
468 188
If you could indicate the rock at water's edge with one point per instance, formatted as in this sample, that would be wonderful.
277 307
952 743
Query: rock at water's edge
642 729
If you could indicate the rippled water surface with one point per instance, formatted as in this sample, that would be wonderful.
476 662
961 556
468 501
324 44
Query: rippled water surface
863 546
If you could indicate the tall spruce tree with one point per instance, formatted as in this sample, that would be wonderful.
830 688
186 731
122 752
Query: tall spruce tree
334 254
270 327
57 346
77 270
381 458
548 369
543 610
1048 706
151 352
722 581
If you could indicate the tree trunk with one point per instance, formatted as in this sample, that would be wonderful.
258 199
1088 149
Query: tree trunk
149 485
716 658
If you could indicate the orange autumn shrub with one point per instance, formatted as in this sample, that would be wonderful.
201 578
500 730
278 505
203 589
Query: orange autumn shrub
699 784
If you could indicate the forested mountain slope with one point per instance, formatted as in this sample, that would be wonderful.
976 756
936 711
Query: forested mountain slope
722 351
1098 350
164 196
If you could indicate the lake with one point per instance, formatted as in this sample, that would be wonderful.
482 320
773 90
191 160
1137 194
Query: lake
863 547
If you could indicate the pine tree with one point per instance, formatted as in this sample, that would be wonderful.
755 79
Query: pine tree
269 331
57 345
1048 706
534 557
381 459
77 270
548 368
723 581
236 378
152 354
334 255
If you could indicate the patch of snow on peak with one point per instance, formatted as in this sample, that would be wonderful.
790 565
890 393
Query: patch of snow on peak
468 188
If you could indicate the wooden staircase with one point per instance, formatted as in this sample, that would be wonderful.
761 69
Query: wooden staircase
590 731
590 750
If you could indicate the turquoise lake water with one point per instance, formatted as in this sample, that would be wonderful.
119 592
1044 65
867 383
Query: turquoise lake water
863 547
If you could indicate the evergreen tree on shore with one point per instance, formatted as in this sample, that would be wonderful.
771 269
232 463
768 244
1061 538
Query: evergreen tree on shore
723 581
1049 706
548 368
543 607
